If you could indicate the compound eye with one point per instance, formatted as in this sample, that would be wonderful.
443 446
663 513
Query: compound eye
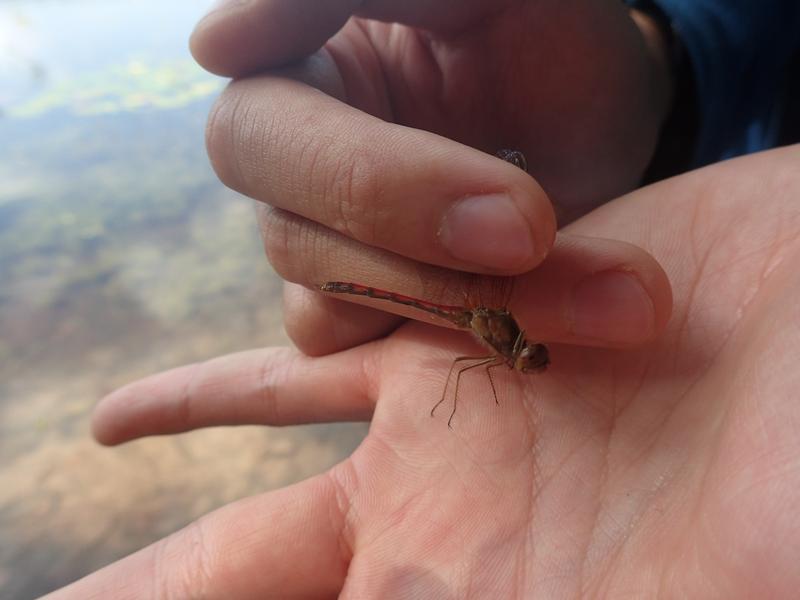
533 358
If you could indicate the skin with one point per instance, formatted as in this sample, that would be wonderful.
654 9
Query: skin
664 471
667 471
359 138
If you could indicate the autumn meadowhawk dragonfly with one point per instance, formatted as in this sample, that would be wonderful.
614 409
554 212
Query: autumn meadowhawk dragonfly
495 327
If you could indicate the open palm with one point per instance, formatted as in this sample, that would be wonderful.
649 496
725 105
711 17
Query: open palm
667 471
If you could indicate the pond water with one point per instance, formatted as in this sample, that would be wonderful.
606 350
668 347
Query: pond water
120 255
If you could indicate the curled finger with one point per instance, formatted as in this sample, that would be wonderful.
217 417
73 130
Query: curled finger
589 291
318 325
405 190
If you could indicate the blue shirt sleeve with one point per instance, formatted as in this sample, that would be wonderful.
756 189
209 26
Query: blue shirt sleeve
739 51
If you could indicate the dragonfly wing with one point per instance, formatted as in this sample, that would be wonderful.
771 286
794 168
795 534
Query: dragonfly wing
458 315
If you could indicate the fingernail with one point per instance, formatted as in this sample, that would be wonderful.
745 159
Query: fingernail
612 306
489 231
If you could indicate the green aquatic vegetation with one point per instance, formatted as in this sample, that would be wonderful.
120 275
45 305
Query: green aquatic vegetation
66 181
139 84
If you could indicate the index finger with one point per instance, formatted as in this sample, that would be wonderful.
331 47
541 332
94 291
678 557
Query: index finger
272 386
412 192
239 37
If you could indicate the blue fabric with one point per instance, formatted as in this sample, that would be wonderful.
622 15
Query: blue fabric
739 51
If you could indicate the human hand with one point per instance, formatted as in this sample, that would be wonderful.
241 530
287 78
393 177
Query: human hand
368 141
670 470
581 88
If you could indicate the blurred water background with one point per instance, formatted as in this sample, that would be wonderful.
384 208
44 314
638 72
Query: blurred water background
120 255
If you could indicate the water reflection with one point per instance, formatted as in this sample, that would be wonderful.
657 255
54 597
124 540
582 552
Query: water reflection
120 254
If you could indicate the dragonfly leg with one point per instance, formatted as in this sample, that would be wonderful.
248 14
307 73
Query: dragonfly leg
518 344
458 381
450 374
491 381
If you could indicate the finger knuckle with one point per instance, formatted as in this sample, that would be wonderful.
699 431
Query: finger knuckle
240 134
282 235
295 318
220 143
183 564
299 249
271 381
349 192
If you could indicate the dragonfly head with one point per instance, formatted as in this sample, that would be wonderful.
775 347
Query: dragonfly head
532 358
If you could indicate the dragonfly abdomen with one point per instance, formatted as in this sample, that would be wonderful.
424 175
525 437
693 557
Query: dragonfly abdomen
458 315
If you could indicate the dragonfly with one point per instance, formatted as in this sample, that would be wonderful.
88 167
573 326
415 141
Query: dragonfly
495 327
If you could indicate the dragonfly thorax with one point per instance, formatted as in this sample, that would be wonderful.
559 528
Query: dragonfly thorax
496 327
499 329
